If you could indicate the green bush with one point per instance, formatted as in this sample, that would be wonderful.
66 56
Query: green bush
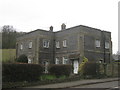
22 58
21 72
60 70
47 77
91 69
81 65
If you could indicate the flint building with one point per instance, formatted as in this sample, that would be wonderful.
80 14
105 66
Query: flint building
67 46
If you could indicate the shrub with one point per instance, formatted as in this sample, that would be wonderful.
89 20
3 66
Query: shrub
91 69
21 72
22 58
81 65
60 70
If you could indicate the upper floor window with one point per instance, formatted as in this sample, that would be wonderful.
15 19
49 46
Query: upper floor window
46 43
21 46
97 43
57 61
57 44
64 43
65 60
30 44
107 45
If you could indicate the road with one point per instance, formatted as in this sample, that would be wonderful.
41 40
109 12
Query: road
113 84
99 86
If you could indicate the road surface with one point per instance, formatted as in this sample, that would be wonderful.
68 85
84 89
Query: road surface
113 85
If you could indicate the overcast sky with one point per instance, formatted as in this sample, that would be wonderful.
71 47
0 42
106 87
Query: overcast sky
28 15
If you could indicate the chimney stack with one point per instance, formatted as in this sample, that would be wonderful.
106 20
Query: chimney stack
51 28
63 26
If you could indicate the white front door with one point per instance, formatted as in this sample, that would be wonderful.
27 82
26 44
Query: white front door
46 66
29 60
76 66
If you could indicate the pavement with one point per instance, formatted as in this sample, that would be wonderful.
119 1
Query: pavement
75 83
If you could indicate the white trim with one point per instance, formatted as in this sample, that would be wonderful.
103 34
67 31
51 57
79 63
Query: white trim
64 43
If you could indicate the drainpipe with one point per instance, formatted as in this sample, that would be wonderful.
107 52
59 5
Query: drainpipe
54 47
105 65
103 45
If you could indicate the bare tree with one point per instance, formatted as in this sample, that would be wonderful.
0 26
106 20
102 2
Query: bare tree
9 35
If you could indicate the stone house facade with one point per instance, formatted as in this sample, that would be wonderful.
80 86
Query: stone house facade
67 46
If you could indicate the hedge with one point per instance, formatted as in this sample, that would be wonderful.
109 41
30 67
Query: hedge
60 70
21 72
91 69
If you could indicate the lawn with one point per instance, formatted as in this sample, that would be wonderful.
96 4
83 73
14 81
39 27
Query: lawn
8 55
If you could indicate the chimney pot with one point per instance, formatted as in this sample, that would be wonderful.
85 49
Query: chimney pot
63 26
51 28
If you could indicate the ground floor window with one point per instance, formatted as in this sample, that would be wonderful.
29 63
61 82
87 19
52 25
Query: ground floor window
65 60
57 61
29 60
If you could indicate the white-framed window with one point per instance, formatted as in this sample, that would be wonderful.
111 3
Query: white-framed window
21 46
64 43
97 43
65 60
107 45
46 43
57 61
57 44
30 44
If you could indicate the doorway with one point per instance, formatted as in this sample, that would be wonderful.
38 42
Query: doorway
75 66
46 66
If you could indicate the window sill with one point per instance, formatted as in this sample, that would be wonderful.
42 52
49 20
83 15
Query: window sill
45 47
107 48
58 47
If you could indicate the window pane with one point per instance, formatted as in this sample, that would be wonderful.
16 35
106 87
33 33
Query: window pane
64 43
30 45
106 45
57 61
97 43
57 45
65 60
46 43
21 46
